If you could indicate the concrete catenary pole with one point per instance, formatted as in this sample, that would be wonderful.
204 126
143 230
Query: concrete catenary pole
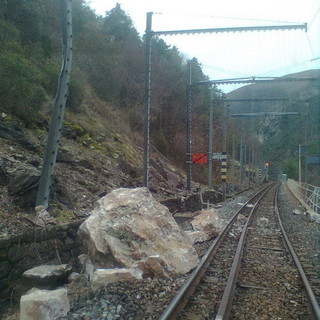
147 100
189 128
241 162
224 152
232 164
210 140
245 165
56 123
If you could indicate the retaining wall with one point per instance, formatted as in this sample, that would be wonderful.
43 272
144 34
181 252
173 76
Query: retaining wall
36 246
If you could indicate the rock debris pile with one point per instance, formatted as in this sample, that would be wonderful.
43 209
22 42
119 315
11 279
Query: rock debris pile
144 299
136 258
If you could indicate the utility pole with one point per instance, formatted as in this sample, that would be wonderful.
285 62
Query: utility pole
210 140
147 101
232 165
241 163
253 167
300 164
56 123
189 128
224 153
305 180
249 166
245 165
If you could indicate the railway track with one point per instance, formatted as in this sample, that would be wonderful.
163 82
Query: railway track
248 271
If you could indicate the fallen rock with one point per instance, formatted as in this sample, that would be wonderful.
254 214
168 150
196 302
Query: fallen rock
212 196
241 219
174 204
86 265
42 216
13 132
3 175
311 216
263 222
23 185
44 304
129 225
192 203
79 278
174 179
197 236
154 267
47 276
101 277
207 221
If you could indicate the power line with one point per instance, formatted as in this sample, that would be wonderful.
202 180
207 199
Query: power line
288 67
225 17
260 20
311 48
312 20
226 71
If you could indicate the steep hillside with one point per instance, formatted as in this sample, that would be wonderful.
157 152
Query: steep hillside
279 137
99 152
108 58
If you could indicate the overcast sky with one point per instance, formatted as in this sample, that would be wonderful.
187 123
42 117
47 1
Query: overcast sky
232 55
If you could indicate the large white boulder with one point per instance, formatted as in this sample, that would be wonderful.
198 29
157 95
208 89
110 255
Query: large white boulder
129 225
44 304
207 221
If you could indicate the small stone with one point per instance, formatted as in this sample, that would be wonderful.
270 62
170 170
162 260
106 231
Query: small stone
263 222
241 219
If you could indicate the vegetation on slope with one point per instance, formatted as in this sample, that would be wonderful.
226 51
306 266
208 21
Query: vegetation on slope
108 57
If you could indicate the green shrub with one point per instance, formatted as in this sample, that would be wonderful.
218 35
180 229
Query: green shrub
291 168
21 90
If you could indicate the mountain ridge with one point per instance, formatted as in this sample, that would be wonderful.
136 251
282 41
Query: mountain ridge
277 136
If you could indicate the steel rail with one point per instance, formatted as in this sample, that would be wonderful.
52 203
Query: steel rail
226 301
182 296
315 308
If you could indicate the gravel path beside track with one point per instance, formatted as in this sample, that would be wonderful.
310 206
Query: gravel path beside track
304 235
